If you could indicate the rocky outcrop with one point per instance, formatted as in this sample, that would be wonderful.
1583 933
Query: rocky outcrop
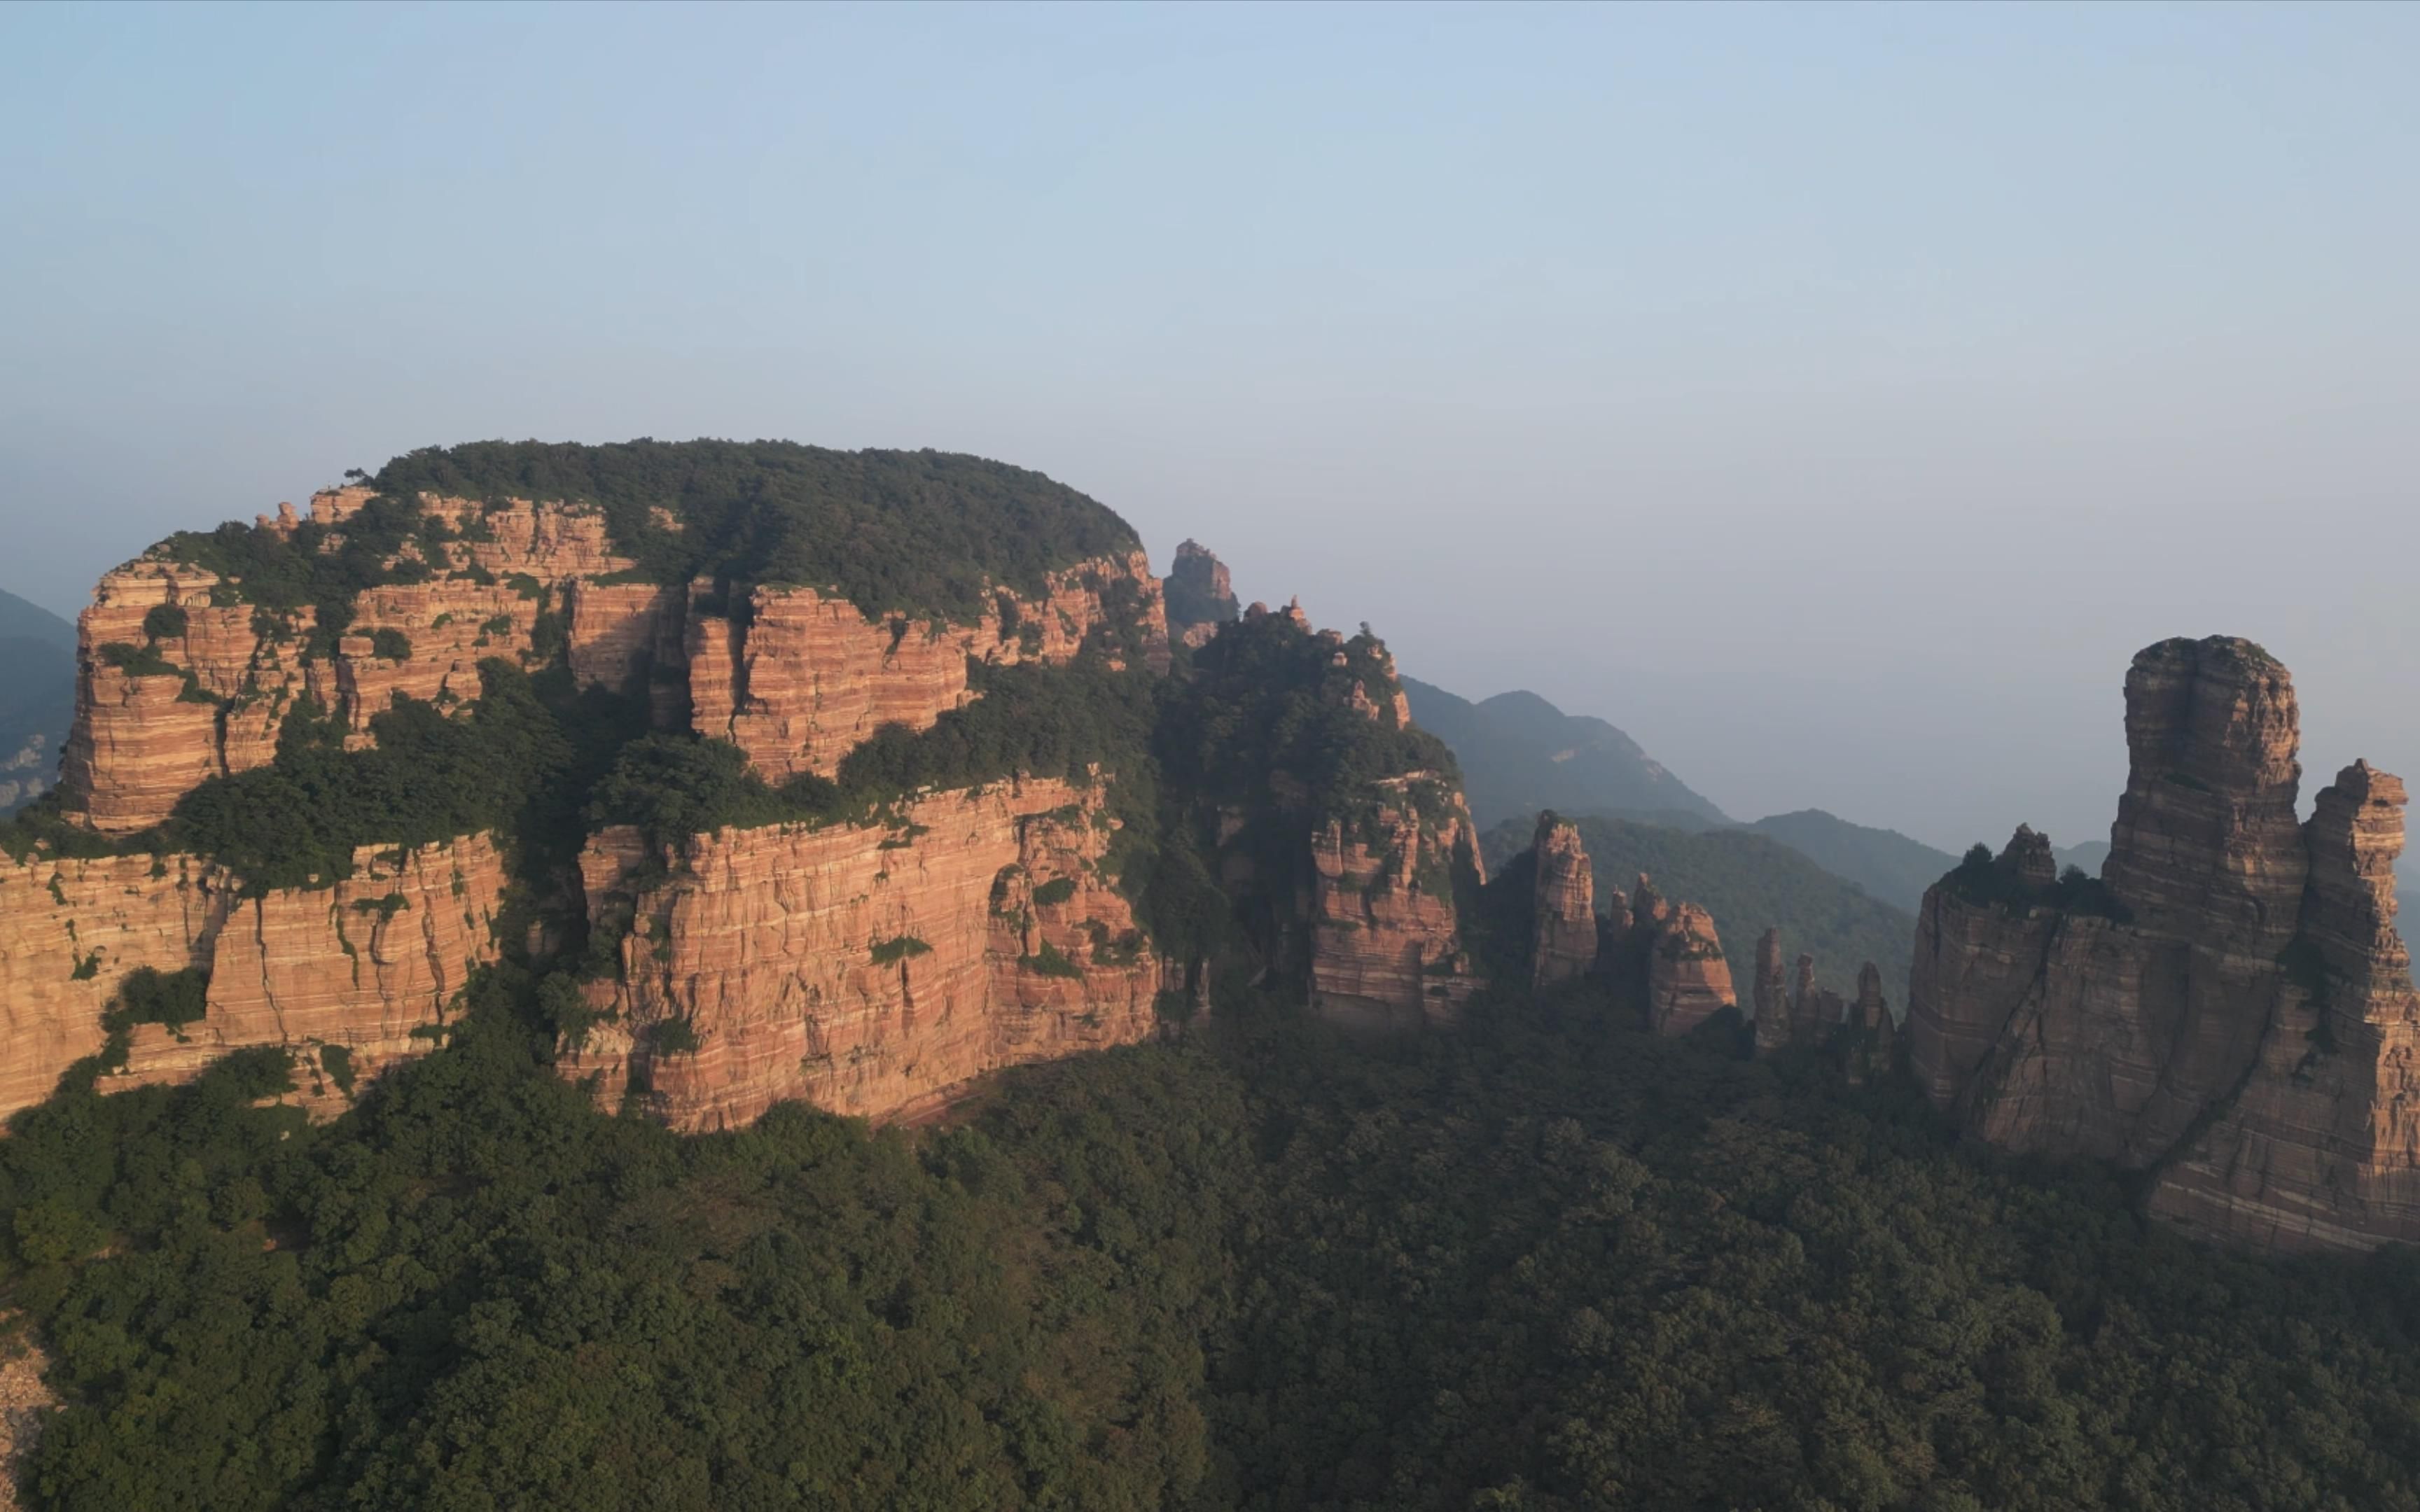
360 966
797 679
866 968
2320 1148
1564 944
1688 982
1665 957
1773 1019
1386 940
2229 1008
1200 597
158 711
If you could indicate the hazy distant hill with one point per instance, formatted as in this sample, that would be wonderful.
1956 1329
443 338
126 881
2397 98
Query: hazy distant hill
37 698
1750 883
2089 856
1520 753
1885 862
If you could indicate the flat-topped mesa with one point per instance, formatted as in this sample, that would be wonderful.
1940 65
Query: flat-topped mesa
1200 598
2207 847
1565 941
2229 1008
192 656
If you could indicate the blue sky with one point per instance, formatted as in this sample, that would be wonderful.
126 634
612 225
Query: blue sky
1834 397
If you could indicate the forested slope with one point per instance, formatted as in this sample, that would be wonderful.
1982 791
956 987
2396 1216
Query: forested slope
1545 1263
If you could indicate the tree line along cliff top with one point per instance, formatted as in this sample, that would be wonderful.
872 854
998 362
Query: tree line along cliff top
925 531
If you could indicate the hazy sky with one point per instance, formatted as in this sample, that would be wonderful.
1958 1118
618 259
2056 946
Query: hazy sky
1835 398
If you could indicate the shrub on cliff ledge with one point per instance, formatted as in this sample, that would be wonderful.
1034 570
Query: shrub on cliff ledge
297 822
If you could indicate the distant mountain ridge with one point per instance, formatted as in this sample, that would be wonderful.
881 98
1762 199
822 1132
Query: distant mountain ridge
1885 862
1519 754
37 698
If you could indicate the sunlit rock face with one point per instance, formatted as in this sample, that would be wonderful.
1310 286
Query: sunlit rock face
361 964
867 968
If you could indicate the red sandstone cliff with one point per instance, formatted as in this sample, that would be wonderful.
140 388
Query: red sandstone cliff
143 738
2231 1010
1387 946
866 968
1564 944
359 965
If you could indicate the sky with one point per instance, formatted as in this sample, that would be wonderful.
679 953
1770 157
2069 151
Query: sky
1833 397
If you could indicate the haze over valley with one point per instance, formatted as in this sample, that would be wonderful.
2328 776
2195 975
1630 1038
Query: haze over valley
1278 759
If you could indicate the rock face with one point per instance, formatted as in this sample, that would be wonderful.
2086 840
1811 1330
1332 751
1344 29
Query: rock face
2231 1010
1772 1018
1200 598
360 966
1664 956
1565 944
1687 980
798 680
1386 947
867 968
208 699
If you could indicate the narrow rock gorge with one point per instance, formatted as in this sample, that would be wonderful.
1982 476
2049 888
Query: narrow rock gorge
2227 1008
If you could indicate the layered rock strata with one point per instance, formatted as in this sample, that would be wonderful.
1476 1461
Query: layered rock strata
2229 1008
1564 944
360 966
1688 982
1386 947
866 968
798 679
1666 957
156 715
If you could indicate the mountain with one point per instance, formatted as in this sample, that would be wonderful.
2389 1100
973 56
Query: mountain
450 996
37 698
800 774
1885 862
1520 754
2087 856
1750 883
2228 1010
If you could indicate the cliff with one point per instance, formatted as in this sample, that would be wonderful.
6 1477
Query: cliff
1200 597
183 674
1563 942
360 966
866 968
1386 947
1662 960
798 679
2229 1009
912 922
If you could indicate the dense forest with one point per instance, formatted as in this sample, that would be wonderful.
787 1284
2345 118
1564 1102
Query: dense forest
920 531
1750 883
1542 1263
1549 1263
